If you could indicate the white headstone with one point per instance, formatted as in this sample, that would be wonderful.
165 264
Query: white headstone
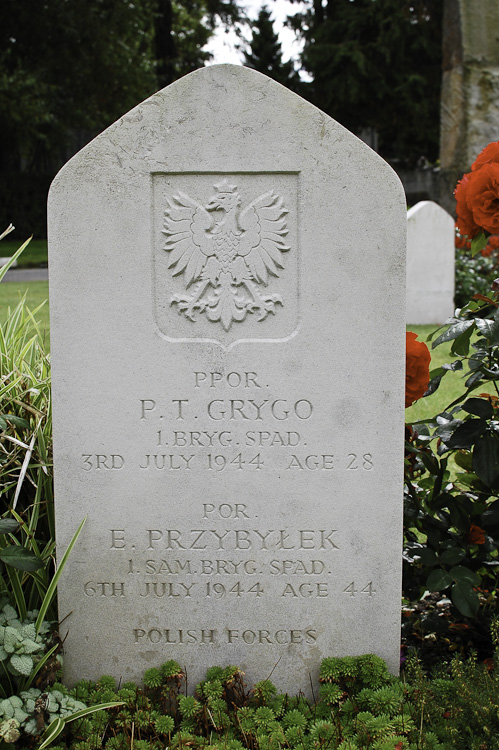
228 342
430 264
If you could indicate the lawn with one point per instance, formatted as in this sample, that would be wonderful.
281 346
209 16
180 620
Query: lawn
36 292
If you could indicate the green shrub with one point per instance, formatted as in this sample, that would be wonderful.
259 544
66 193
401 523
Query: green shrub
452 524
26 492
473 275
457 707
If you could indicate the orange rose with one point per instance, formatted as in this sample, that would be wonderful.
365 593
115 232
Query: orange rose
482 197
465 220
417 368
488 155
460 241
475 535
494 243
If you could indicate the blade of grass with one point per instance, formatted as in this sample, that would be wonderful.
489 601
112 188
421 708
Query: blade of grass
12 260
24 469
53 583
7 231
17 591
39 667
56 727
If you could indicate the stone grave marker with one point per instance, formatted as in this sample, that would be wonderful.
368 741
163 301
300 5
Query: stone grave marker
430 264
228 341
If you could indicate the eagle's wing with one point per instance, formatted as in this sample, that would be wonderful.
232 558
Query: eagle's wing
264 227
186 226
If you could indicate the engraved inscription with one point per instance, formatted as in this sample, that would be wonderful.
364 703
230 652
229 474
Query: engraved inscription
255 431
227 252
169 636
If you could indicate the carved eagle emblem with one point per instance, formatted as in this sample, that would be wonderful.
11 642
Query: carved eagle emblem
226 253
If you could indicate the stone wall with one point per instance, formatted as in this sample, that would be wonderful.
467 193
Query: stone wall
470 87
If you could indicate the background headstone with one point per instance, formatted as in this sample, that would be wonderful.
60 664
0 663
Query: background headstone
228 341
430 264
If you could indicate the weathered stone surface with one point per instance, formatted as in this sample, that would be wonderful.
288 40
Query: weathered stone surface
469 117
235 442
430 264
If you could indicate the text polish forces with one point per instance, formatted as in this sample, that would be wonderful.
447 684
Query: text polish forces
169 636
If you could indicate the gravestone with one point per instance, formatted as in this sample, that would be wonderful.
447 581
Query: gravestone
430 264
228 342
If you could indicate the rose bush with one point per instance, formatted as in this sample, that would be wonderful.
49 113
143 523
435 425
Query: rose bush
451 508
474 274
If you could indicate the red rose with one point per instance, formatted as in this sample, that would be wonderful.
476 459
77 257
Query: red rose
465 220
488 155
487 251
417 368
494 243
462 243
477 197
475 535
482 197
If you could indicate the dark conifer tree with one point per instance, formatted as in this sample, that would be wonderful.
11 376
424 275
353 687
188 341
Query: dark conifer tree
265 53
377 64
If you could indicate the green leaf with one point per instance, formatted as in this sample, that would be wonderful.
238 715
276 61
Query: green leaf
453 366
459 517
39 666
486 460
438 580
452 556
461 345
475 377
52 732
92 709
55 727
463 460
17 421
22 663
480 407
478 243
430 462
464 575
446 428
466 435
50 593
428 556
8 525
465 599
454 330
491 515
12 260
485 326
20 558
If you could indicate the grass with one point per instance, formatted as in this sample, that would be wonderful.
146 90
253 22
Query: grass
451 386
36 292
34 255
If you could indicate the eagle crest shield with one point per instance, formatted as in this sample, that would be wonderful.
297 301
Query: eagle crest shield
226 253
